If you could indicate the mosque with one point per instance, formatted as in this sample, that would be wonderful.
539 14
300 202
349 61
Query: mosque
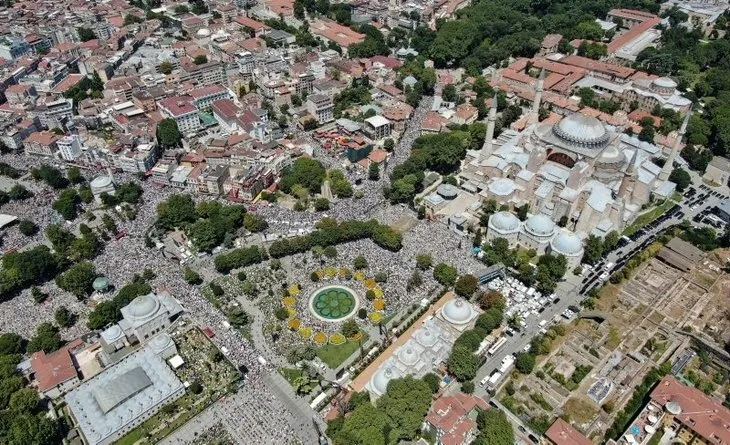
429 346
589 174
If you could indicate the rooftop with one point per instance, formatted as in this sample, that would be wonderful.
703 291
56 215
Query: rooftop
55 368
562 433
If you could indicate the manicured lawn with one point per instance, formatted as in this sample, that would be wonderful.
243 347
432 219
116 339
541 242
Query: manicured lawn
290 374
334 355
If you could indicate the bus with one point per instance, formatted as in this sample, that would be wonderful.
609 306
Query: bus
494 380
497 346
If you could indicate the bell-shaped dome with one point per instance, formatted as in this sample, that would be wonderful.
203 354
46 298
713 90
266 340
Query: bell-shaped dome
457 311
143 306
567 243
540 225
504 222
580 129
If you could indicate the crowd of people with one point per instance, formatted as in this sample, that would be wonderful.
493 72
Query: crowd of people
255 412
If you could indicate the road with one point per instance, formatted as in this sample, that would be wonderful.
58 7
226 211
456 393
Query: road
569 290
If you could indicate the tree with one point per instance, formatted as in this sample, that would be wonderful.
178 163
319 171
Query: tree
525 362
593 250
306 172
177 211
330 252
200 59
680 177
67 203
168 133
27 227
610 241
462 363
165 67
494 428
349 328
46 339
466 285
491 299
445 274
365 425
467 387
405 403
78 279
449 93
374 171
129 192
191 276
25 400
489 320
74 175
647 134
238 317
254 223
423 261
196 387
360 263
388 144
281 313
433 381
11 343
64 317
19 193
85 34
321 204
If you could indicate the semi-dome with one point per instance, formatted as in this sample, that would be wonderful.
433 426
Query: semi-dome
143 306
504 222
457 311
381 378
580 129
567 243
502 187
540 225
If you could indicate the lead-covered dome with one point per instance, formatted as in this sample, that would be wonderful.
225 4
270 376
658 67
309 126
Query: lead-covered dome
143 306
580 129
426 337
502 187
567 243
504 222
540 225
381 378
408 356
457 311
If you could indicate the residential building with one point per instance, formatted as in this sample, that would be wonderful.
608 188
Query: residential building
718 171
12 47
182 110
451 418
42 143
204 97
377 127
69 147
321 107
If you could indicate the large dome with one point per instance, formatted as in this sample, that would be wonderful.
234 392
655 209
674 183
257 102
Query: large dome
408 356
540 225
381 378
567 243
580 129
457 311
426 337
504 222
143 306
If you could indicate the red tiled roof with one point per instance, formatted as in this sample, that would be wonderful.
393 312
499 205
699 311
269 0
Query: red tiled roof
43 137
562 433
594 65
55 368
700 413
251 23
624 39
206 91
178 105
225 108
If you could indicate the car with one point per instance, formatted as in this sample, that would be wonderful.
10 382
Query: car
556 301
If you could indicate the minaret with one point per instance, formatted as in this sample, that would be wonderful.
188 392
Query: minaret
535 113
669 164
486 151
631 171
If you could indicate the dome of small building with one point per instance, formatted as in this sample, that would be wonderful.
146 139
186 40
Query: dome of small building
426 337
408 356
673 408
160 342
540 225
567 243
504 222
580 129
502 187
112 333
100 182
457 311
100 284
381 378
665 82
143 306
203 32
447 191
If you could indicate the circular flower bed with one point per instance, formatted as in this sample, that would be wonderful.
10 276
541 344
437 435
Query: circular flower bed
305 332
293 290
370 283
330 272
359 276
337 339
320 338
378 292
379 304
375 317
294 324
343 272
291 311
356 337
289 301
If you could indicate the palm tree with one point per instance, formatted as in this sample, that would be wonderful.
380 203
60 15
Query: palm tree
304 384
514 321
